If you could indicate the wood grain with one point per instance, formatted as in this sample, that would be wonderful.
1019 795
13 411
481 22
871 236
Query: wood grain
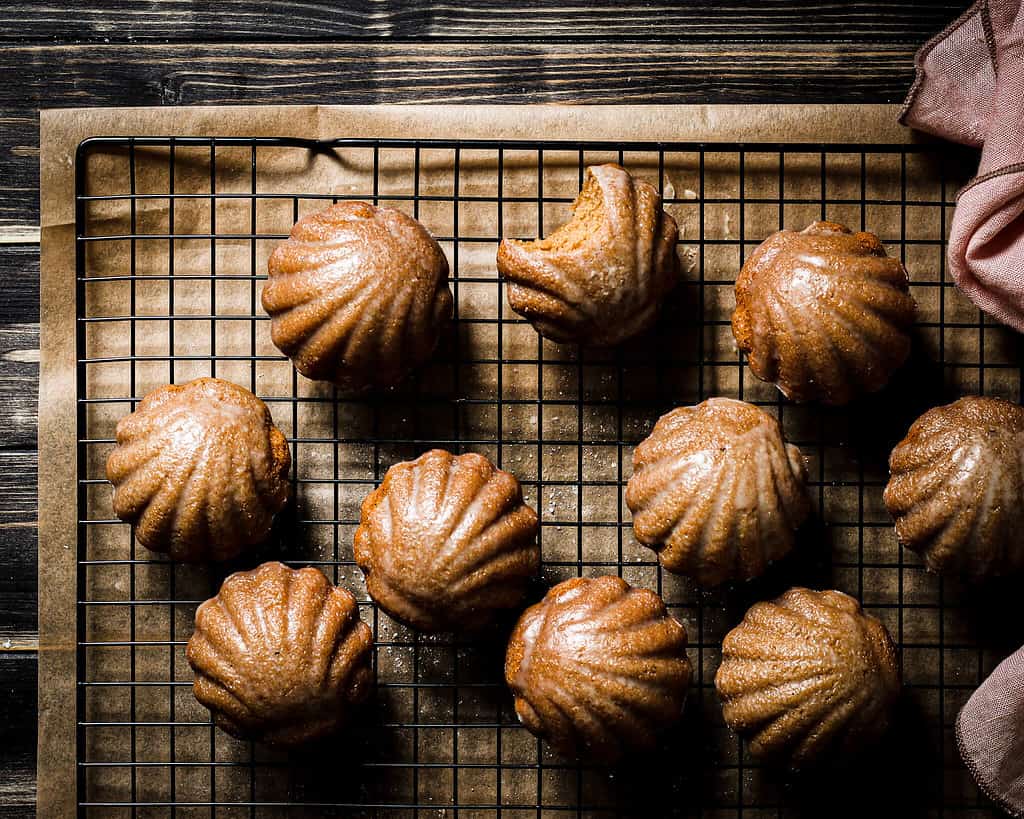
18 584
19 354
19 270
19 375
401 73
17 734
108 21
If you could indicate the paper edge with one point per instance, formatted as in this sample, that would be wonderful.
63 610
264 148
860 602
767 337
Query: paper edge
62 131
56 772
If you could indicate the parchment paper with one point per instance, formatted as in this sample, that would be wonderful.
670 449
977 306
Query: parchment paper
466 367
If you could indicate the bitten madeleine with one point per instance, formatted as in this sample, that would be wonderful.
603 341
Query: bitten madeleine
807 676
446 542
280 655
200 470
824 314
598 668
600 278
357 295
717 491
956 488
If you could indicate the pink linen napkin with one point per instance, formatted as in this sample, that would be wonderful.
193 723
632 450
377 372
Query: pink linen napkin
990 734
970 89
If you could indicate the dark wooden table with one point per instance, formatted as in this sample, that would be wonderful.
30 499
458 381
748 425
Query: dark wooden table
111 52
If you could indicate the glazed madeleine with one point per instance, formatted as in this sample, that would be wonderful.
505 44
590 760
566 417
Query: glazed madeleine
956 488
600 278
824 314
446 542
200 470
717 491
280 655
598 668
357 295
808 676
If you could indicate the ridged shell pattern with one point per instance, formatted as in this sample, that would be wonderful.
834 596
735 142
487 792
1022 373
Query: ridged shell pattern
956 488
598 668
280 655
357 295
717 491
200 469
823 313
446 541
807 676
600 278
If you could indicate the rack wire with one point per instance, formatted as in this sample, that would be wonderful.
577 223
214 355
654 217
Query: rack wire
171 238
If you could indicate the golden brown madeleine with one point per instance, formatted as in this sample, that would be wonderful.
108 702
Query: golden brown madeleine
956 488
357 295
446 541
598 668
717 491
823 313
806 676
280 655
200 470
600 278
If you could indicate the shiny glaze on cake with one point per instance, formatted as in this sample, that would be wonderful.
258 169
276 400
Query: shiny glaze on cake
956 488
717 491
446 542
280 655
823 313
600 278
200 470
808 676
598 668
357 295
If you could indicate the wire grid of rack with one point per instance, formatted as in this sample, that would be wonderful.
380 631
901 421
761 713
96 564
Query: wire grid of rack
170 258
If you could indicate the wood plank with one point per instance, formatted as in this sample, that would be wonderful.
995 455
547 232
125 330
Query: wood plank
19 171
19 271
18 558
18 549
18 584
18 235
17 490
22 641
19 346
25 807
407 72
412 72
18 734
105 21
19 384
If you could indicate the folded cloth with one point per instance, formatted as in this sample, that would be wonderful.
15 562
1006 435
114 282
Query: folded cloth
990 736
970 89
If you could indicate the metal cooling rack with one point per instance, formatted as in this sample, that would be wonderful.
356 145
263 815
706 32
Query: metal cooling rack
443 740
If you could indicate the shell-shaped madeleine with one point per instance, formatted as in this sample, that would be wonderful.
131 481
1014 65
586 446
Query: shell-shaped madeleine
280 655
823 313
200 470
357 295
956 488
446 541
807 676
600 278
717 491
598 668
